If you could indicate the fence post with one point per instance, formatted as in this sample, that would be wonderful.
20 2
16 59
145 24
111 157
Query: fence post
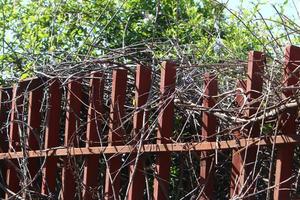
74 97
34 122
284 162
5 106
12 179
93 134
165 128
136 174
208 133
236 179
243 162
116 133
53 114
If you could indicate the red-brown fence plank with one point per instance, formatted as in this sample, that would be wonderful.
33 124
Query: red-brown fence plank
165 128
208 133
5 106
243 163
136 174
34 122
51 136
17 108
157 148
236 180
116 133
240 93
74 96
284 162
94 121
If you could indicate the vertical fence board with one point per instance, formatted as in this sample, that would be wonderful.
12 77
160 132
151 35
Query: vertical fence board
136 174
236 179
93 134
3 138
165 128
243 162
74 96
12 179
5 106
284 162
116 132
208 133
51 137
34 122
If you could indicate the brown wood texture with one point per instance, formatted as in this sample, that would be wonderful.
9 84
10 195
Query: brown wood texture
284 162
136 169
33 130
53 113
165 129
156 148
13 174
209 125
74 96
243 172
5 106
93 134
116 133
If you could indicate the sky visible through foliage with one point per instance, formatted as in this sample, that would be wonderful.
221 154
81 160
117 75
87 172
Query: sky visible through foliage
292 7
35 33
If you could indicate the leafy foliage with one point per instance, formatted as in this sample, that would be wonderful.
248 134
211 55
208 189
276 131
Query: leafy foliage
48 32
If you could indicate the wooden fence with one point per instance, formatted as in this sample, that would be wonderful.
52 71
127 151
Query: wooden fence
48 157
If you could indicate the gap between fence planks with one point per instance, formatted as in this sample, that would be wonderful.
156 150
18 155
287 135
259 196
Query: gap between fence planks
149 148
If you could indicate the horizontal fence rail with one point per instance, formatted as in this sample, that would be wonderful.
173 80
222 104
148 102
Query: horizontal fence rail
121 133
155 148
